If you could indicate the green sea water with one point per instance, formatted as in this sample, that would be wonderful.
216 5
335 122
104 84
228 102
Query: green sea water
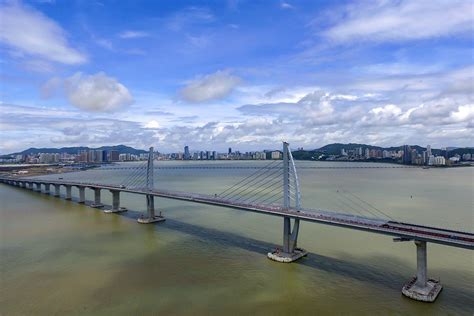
58 257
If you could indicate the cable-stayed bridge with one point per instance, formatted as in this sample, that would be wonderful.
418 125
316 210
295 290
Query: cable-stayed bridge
273 189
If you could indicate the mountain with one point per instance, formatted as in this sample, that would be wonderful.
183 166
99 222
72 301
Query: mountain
335 149
122 149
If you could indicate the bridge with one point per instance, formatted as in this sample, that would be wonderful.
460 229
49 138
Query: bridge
273 189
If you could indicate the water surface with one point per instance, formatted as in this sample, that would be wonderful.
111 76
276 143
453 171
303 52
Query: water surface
60 257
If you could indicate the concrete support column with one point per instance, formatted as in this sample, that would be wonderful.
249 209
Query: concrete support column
421 263
150 212
46 188
115 203
57 190
69 192
421 288
97 202
30 185
38 187
286 234
82 194
289 251
150 206
115 199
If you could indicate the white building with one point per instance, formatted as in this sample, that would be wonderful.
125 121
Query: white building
276 155
439 161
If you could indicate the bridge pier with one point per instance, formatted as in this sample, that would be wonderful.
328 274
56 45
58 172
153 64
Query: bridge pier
150 216
115 203
46 188
69 192
421 288
82 194
97 203
289 252
57 189
30 185
38 187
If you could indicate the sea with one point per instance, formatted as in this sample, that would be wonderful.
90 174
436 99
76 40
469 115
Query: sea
58 257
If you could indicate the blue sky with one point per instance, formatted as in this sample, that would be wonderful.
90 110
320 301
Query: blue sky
244 74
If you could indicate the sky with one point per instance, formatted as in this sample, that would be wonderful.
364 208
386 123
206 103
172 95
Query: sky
240 74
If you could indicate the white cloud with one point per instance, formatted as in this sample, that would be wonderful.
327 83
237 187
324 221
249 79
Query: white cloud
389 114
133 34
32 33
210 87
189 17
286 5
402 20
97 93
152 124
463 113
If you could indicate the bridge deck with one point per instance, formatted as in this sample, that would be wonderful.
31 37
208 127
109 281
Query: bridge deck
373 225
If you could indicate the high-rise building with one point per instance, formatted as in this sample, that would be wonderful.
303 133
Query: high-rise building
413 157
276 154
114 155
406 159
99 156
187 155
428 150
91 156
230 151
83 155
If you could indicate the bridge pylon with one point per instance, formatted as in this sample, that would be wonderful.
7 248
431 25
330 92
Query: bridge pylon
150 216
289 252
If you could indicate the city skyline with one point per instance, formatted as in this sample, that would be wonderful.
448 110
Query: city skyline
227 74
224 149
332 152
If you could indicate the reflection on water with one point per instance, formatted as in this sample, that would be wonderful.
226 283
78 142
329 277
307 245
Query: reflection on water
59 257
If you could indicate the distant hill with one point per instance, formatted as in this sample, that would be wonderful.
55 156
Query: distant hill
335 149
122 149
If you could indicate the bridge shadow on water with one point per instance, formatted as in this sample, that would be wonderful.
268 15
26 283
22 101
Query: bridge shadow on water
373 271
381 270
